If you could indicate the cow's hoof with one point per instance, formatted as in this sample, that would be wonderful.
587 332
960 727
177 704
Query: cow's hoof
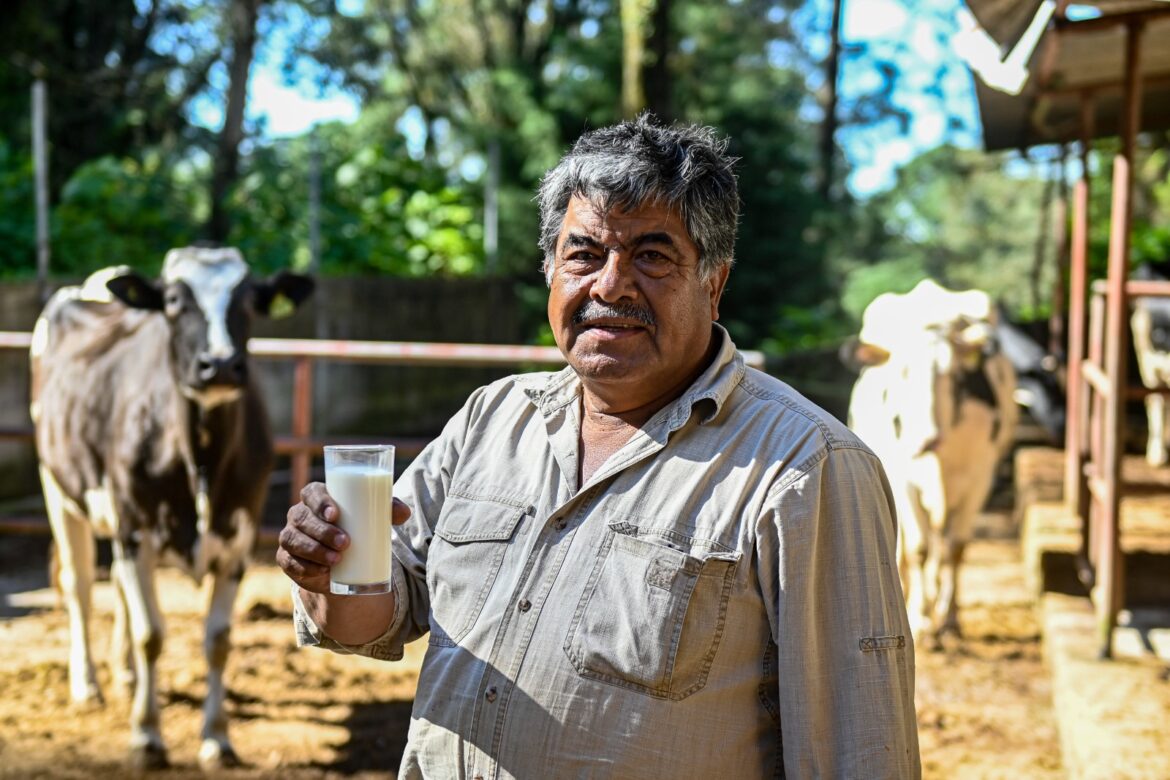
122 686
215 755
87 696
950 629
148 756
933 642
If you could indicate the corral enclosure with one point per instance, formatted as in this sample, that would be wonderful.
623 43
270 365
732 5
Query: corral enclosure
348 399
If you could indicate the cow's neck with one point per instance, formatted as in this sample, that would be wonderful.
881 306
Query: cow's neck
211 434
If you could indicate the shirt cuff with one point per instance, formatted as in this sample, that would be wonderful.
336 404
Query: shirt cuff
386 647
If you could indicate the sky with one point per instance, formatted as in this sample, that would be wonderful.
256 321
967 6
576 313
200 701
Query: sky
920 42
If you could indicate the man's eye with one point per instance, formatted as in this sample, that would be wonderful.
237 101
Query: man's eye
654 262
581 260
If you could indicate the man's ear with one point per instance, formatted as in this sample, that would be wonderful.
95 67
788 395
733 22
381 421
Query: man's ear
282 293
715 285
136 291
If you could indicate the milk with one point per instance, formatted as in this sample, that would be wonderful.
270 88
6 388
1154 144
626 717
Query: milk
363 494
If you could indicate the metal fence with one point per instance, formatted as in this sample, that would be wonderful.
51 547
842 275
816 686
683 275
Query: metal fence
300 443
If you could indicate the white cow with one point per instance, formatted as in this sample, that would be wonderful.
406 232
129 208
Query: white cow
1150 324
934 401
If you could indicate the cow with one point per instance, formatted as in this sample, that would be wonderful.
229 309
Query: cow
150 430
934 402
1150 324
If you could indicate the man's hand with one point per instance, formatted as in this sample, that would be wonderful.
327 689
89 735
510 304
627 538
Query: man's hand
311 543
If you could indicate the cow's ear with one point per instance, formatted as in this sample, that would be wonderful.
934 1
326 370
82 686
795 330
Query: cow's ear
282 293
870 354
136 291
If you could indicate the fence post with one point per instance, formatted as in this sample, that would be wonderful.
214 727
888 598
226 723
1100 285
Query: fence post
41 175
302 424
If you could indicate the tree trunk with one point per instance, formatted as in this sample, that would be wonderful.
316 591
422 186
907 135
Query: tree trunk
242 20
829 126
634 15
658 82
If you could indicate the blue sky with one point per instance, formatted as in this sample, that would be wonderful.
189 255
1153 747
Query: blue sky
915 34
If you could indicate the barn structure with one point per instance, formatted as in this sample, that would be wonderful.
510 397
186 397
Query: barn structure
1071 74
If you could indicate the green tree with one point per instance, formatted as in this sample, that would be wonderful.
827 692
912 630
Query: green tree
125 211
17 219
119 75
956 215
382 212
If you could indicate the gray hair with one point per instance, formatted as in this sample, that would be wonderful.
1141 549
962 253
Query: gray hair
684 168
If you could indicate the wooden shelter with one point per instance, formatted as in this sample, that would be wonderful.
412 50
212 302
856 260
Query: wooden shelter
1093 70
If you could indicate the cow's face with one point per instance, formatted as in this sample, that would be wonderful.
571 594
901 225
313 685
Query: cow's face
208 299
923 373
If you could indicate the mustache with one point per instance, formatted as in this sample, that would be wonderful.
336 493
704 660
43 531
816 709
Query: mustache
596 310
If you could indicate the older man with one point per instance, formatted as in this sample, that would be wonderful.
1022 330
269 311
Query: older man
654 563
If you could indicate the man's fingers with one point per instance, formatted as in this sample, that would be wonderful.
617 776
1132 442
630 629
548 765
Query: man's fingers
317 499
309 575
401 512
302 519
302 545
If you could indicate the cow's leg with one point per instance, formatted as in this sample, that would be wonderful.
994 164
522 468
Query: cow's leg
959 531
135 574
933 567
216 750
913 524
1156 453
121 648
948 595
75 572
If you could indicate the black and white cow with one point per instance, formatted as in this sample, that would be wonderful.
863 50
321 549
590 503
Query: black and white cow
1150 323
934 402
151 431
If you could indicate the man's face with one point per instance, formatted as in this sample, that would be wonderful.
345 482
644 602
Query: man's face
626 304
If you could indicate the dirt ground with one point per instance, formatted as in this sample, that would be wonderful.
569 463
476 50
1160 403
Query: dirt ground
984 703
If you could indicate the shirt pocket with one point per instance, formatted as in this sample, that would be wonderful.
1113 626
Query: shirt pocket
471 539
652 615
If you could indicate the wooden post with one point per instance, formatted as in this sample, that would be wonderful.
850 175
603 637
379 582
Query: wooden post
1110 582
40 118
491 208
1060 260
314 203
1076 443
302 424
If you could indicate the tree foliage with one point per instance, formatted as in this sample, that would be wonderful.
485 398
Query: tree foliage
119 74
955 215
448 87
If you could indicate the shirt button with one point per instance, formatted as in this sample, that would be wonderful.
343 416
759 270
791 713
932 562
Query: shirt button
560 526
524 605
490 695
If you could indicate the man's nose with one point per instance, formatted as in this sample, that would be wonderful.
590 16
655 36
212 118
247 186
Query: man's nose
615 280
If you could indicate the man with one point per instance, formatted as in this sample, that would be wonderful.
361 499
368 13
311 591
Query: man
655 562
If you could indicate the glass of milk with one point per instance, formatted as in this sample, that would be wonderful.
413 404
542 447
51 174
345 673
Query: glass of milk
360 479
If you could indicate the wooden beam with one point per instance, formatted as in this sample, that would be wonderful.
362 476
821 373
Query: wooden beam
1109 21
1110 580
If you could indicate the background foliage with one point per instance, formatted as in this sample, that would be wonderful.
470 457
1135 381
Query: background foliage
142 95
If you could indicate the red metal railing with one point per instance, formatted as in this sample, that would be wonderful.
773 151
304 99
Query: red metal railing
300 444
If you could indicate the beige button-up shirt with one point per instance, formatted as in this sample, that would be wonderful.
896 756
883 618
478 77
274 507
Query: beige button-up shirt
720 600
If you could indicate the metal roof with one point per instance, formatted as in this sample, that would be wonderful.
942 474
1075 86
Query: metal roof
1085 57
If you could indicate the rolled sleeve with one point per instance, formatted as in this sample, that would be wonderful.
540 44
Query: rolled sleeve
827 547
387 647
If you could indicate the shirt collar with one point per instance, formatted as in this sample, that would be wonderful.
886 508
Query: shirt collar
704 397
